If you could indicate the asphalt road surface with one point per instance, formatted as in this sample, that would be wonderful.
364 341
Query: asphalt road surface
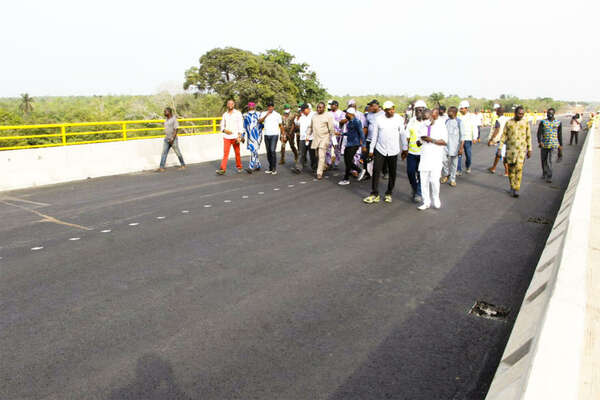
188 285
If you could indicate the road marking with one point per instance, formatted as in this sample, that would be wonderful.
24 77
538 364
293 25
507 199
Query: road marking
161 217
47 218
290 186
207 206
303 183
185 211
106 231
74 239
34 203
37 248
276 189
261 192
244 197
134 224
226 201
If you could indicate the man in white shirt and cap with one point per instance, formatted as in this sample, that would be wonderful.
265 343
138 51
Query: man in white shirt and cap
385 147
469 131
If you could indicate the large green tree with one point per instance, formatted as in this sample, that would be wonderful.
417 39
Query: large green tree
309 87
243 76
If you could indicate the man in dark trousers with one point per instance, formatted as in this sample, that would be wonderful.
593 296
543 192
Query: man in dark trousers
549 136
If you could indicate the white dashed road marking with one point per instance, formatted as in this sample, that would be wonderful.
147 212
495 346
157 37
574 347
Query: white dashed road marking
244 197
106 231
161 217
290 186
37 248
207 206
226 201
303 182
276 189
261 192
74 239
185 211
134 224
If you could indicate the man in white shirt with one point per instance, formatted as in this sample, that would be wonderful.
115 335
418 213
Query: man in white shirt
495 136
273 128
232 126
434 137
303 122
385 147
469 130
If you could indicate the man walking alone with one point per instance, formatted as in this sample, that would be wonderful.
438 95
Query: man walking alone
171 129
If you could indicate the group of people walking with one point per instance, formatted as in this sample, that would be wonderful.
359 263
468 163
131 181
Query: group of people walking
433 142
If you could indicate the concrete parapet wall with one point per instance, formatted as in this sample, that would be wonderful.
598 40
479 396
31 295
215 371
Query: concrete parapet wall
543 355
45 166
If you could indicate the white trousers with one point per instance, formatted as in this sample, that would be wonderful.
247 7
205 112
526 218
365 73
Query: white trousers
430 180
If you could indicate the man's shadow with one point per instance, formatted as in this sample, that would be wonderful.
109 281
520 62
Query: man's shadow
154 380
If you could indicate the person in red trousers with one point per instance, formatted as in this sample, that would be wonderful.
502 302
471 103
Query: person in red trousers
232 126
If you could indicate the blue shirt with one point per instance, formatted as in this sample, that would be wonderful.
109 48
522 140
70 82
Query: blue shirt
354 133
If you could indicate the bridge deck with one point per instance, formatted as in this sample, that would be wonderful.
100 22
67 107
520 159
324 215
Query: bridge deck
298 291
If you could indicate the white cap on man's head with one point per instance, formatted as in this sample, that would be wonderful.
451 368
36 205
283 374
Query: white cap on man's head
351 102
388 104
351 110
420 104
464 104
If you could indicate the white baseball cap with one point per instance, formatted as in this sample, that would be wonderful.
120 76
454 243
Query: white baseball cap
388 104
351 102
420 103
464 104
351 110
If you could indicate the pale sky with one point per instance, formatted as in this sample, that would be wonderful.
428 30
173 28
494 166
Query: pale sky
529 48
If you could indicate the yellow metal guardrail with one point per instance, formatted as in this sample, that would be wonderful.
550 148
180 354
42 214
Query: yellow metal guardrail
68 134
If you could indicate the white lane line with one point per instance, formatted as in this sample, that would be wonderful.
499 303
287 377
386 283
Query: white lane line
185 211
303 183
276 189
244 197
261 192
74 239
290 186
134 224
106 231
207 206
37 248
226 201
161 217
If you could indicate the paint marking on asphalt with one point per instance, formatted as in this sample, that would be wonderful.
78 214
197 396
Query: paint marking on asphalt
161 217
34 203
207 206
134 224
290 186
303 183
261 192
185 211
244 197
37 248
47 218
226 201
276 189
106 231
74 239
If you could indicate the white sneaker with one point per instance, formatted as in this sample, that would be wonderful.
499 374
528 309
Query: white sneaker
268 171
423 207
344 182
437 204
274 172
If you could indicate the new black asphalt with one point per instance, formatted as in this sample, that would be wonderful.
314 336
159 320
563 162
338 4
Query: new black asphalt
188 285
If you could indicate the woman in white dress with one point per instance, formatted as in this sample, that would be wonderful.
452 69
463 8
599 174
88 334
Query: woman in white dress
434 136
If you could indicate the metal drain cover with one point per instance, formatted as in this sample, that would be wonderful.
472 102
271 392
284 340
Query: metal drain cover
490 311
539 220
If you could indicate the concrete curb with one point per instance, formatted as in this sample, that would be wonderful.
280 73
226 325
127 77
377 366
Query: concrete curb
543 355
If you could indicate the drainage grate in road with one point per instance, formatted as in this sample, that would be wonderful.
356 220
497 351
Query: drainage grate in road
539 220
490 311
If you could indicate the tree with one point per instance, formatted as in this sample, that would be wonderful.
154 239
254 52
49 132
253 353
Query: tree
305 80
243 76
436 98
26 105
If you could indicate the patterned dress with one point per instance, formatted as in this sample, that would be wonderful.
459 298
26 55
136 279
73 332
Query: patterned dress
517 137
253 135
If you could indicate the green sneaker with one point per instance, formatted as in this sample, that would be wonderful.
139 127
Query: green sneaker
220 172
388 198
372 199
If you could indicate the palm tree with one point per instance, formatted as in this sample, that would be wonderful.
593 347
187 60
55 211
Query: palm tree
436 98
26 103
